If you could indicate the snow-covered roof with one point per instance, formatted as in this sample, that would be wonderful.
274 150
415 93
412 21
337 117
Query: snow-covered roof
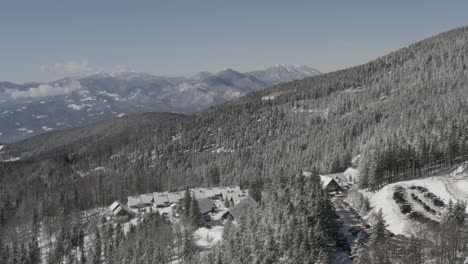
235 189
117 207
206 205
246 203
133 201
160 198
339 178
209 192
156 198
146 198
233 193
325 180
217 191
174 197
114 205
199 193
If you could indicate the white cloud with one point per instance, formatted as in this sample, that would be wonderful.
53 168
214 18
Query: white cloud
69 68
44 90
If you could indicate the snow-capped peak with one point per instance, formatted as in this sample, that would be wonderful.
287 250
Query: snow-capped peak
282 72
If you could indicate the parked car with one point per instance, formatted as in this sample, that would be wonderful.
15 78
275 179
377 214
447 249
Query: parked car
414 215
355 230
405 208
438 202
342 243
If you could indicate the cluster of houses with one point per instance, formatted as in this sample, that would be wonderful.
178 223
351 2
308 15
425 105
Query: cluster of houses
207 198
237 199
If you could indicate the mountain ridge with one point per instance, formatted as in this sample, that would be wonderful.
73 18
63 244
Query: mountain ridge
33 108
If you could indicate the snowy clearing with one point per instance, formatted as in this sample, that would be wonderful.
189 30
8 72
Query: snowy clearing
206 238
448 186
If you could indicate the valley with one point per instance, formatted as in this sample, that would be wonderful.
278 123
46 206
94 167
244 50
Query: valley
366 164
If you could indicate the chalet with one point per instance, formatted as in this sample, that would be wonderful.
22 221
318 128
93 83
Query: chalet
339 178
235 212
330 185
149 199
139 201
120 212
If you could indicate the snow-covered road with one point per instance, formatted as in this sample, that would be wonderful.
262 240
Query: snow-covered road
349 220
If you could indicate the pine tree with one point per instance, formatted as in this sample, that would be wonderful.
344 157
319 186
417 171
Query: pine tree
34 252
81 237
378 230
227 204
196 218
255 190
97 248
24 254
83 259
378 243
359 250
323 257
2 251
187 202
414 252
227 229
119 235
35 223
188 248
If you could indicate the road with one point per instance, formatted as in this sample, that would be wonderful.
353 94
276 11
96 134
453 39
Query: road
349 220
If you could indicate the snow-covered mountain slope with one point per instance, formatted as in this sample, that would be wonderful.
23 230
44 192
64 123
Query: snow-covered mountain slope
33 108
449 184
281 72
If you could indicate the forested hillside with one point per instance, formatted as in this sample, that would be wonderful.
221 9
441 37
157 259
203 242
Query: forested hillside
402 113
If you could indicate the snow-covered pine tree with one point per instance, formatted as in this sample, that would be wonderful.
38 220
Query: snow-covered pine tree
378 244
414 253
196 218
97 247
359 250
187 201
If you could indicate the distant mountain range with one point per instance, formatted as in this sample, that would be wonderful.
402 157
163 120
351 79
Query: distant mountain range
33 108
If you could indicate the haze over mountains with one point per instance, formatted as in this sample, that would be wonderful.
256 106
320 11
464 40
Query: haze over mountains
33 108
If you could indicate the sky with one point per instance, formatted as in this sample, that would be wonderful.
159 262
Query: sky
46 40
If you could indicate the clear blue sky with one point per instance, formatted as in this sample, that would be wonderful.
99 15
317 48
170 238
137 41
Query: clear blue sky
43 40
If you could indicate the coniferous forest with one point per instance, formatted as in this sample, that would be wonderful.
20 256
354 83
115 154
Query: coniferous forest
404 115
